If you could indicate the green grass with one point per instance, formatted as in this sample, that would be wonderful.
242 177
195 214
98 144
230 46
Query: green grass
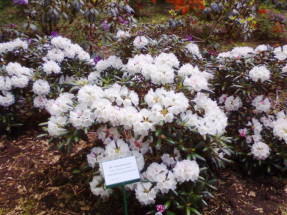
8 15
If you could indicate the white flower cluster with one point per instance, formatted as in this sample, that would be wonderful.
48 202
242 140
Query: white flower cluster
12 45
280 126
160 70
194 79
15 76
259 73
214 120
261 104
122 34
140 42
162 180
118 106
194 50
111 62
281 53
63 48
243 52
232 103
164 68
114 148
260 150
238 52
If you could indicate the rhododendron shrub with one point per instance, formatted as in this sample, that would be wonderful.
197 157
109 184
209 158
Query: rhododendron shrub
33 71
132 44
249 84
152 107
238 16
99 17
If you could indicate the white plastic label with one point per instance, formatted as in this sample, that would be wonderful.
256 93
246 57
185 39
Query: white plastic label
120 171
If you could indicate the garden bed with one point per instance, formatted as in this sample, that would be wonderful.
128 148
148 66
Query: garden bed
39 180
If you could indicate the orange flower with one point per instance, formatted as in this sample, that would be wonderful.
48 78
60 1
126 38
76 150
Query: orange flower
262 11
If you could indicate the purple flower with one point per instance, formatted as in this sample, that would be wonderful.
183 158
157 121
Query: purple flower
11 26
54 34
123 21
97 59
105 26
189 38
21 2
30 40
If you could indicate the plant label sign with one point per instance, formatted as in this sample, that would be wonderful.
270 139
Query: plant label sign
120 172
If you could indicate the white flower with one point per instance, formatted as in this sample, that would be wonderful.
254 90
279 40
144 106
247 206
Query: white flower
214 120
267 121
233 104
280 126
140 42
111 62
145 123
18 70
104 133
138 62
56 125
95 156
168 160
193 49
187 69
5 83
146 193
19 81
55 55
40 102
41 87
169 183
81 117
122 34
186 170
259 73
117 148
281 53
257 127
238 52
197 81
61 42
261 48
6 99
159 74
140 159
261 104
260 150
61 105
98 189
89 94
168 59
50 67
94 77
156 172
12 45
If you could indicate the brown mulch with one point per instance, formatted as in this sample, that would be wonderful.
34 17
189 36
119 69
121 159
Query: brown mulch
238 195
36 179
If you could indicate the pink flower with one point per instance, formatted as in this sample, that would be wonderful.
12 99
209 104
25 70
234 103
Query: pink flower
160 208
243 132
